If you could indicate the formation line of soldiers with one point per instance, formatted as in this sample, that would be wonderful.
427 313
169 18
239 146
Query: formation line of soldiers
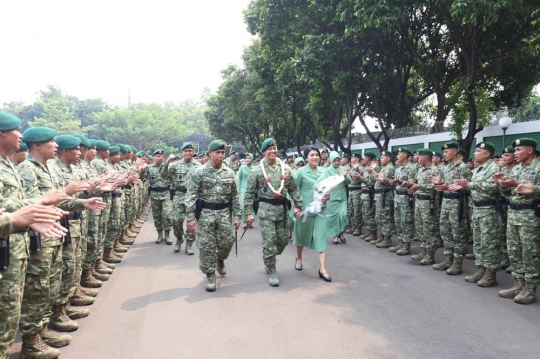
69 211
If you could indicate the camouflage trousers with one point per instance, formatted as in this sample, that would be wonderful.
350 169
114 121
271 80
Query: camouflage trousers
354 208
93 243
524 251
487 239
368 213
41 288
453 232
161 211
81 259
404 217
69 268
113 225
215 238
178 215
11 293
104 223
383 215
127 206
426 224
274 240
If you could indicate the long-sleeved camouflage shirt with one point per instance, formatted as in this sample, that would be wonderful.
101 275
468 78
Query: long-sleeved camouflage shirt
453 171
179 173
157 176
483 187
531 173
426 187
388 171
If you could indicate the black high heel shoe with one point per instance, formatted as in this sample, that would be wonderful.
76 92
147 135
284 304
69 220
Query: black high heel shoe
297 267
326 279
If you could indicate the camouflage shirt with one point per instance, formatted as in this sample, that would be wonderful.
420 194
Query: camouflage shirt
368 179
483 187
426 187
232 165
388 171
157 176
180 172
354 171
212 185
531 173
454 171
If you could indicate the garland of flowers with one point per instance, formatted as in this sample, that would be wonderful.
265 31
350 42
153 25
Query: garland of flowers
283 178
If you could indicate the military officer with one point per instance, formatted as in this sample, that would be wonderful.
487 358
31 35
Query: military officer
384 200
355 196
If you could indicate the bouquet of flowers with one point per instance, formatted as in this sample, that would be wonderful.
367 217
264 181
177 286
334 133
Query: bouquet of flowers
320 190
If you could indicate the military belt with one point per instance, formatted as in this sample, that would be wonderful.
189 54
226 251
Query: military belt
128 186
366 191
352 189
159 189
485 203
116 195
424 197
452 195
402 193
74 216
181 189
215 206
274 202
522 206
379 191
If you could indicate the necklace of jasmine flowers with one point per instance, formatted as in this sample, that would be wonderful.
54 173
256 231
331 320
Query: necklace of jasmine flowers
283 178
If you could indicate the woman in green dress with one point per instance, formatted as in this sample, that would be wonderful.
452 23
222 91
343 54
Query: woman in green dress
337 205
242 176
310 229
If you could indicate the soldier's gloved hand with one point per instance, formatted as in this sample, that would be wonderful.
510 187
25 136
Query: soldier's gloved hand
191 226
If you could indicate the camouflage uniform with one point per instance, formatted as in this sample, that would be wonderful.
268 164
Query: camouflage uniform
273 223
101 168
368 201
384 201
12 278
179 173
94 240
425 208
115 213
404 204
232 165
354 204
216 187
159 195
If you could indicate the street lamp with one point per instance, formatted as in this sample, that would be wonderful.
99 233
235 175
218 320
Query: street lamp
504 123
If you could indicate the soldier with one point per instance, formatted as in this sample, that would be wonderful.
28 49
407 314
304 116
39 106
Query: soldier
263 180
384 200
366 175
507 163
404 202
487 237
425 208
232 163
453 211
179 173
215 186
325 161
17 157
522 187
355 196
159 194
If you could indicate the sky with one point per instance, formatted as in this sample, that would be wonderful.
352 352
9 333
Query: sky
158 50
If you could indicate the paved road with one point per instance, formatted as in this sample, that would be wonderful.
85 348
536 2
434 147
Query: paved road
379 305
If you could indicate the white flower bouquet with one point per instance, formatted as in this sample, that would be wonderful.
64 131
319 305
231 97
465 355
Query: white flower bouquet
320 190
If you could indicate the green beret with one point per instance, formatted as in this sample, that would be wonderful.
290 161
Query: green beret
451 144
437 153
298 160
92 143
84 140
462 152
470 160
9 122
186 145
102 145
387 154
406 150
139 154
150 156
133 149
22 147
536 152
196 155
347 156
123 148
426 152
113 150
324 150
525 141
509 149
67 142
370 155
267 143
206 154
496 157
232 153
357 155
216 145
486 146
158 152
39 134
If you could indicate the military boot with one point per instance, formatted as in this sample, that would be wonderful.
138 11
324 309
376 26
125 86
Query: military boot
273 278
349 229
439 243
76 313
476 276
371 235
510 269
60 321
416 238
364 236
160 237
88 280
126 241
386 243
166 238
117 254
505 261
210 282
527 294
488 280
378 240
444 265
120 248
101 268
81 299
420 256
53 339
404 250
34 347
519 284
470 256
189 250
132 232
221 268
357 232
178 245
396 248
109 257
99 276
428 259
108 265
90 292
455 268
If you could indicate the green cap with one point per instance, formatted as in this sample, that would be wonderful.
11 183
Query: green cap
186 145
347 156
102 145
370 155
426 152
357 155
525 141
462 152
406 150
22 147
113 150
67 142
216 145
9 122
39 134
451 144
267 143
437 153
488 146
84 140
158 152
387 154
232 153
92 143
509 149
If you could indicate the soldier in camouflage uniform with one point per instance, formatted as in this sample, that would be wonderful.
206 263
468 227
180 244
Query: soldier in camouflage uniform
403 203
384 200
215 185
18 157
272 183
453 211
179 173
508 163
355 196
367 178
522 187
159 194
232 163
425 208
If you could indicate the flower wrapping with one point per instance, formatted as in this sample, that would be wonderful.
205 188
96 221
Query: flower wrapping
321 189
